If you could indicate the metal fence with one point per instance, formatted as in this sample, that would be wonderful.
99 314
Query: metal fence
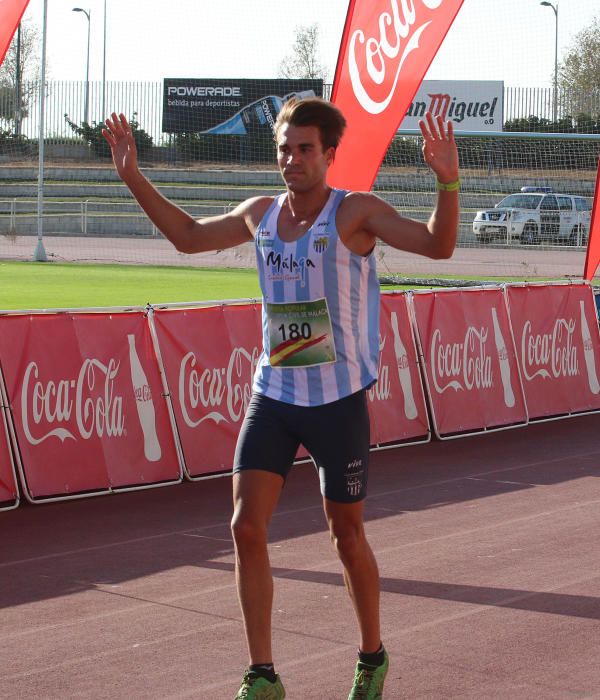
522 103
145 100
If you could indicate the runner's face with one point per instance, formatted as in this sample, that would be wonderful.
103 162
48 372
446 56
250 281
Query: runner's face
302 161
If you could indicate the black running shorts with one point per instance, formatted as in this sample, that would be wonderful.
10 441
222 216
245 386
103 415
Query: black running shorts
335 434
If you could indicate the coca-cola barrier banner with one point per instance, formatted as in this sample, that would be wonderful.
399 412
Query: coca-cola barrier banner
558 346
90 414
11 12
87 402
209 357
470 362
387 47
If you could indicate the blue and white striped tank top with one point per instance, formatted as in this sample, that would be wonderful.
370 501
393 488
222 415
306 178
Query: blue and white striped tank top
339 287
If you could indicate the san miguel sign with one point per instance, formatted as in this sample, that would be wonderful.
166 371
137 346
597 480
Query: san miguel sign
387 47
471 105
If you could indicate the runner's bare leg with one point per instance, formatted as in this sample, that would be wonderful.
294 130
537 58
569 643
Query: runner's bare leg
255 495
361 574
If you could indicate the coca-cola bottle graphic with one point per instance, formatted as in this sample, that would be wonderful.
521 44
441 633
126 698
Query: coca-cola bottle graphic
588 353
144 404
509 396
410 408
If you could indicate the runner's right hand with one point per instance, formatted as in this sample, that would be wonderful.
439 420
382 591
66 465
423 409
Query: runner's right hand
119 137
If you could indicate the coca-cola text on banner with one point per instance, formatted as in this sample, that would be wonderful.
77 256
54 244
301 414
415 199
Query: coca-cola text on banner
11 12
558 347
211 382
470 361
592 258
387 47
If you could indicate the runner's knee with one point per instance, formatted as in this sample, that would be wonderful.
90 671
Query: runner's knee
246 532
348 540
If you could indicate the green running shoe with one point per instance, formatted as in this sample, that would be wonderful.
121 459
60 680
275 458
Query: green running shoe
255 687
368 681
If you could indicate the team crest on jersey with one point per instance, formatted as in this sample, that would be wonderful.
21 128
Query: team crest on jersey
321 242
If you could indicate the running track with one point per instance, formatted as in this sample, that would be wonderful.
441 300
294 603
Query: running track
488 550
531 262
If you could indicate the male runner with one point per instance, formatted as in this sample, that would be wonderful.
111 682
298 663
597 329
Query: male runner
316 263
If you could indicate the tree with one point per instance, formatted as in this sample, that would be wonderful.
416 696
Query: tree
19 75
92 135
303 62
579 72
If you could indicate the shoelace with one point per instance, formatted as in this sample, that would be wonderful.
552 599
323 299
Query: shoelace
247 681
362 682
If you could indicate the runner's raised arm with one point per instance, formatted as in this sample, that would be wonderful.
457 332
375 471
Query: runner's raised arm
187 234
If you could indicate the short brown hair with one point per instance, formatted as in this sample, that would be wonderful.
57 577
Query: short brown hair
313 111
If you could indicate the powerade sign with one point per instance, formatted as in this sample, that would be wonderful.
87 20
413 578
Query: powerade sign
231 107
472 105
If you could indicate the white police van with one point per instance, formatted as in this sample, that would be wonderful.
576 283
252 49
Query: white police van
536 215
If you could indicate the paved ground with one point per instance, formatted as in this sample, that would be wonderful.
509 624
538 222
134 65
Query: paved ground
517 261
488 550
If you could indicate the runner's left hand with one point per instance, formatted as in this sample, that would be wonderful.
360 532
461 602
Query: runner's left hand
439 149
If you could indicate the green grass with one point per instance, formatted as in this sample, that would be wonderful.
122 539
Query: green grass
28 285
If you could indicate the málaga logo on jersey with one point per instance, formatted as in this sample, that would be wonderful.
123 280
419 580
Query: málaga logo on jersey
386 50
287 268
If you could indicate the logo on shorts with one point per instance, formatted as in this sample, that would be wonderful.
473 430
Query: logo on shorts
354 481
355 466
320 243
353 485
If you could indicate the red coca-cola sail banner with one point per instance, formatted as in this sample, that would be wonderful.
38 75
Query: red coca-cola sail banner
387 47
592 258
11 12
558 346
471 367
397 401
87 403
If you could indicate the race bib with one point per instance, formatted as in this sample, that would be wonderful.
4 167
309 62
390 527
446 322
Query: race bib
300 334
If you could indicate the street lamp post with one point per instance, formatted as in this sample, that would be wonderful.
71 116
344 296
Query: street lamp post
18 85
86 108
103 116
555 102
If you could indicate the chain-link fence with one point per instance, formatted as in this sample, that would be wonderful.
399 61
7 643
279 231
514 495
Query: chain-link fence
65 105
